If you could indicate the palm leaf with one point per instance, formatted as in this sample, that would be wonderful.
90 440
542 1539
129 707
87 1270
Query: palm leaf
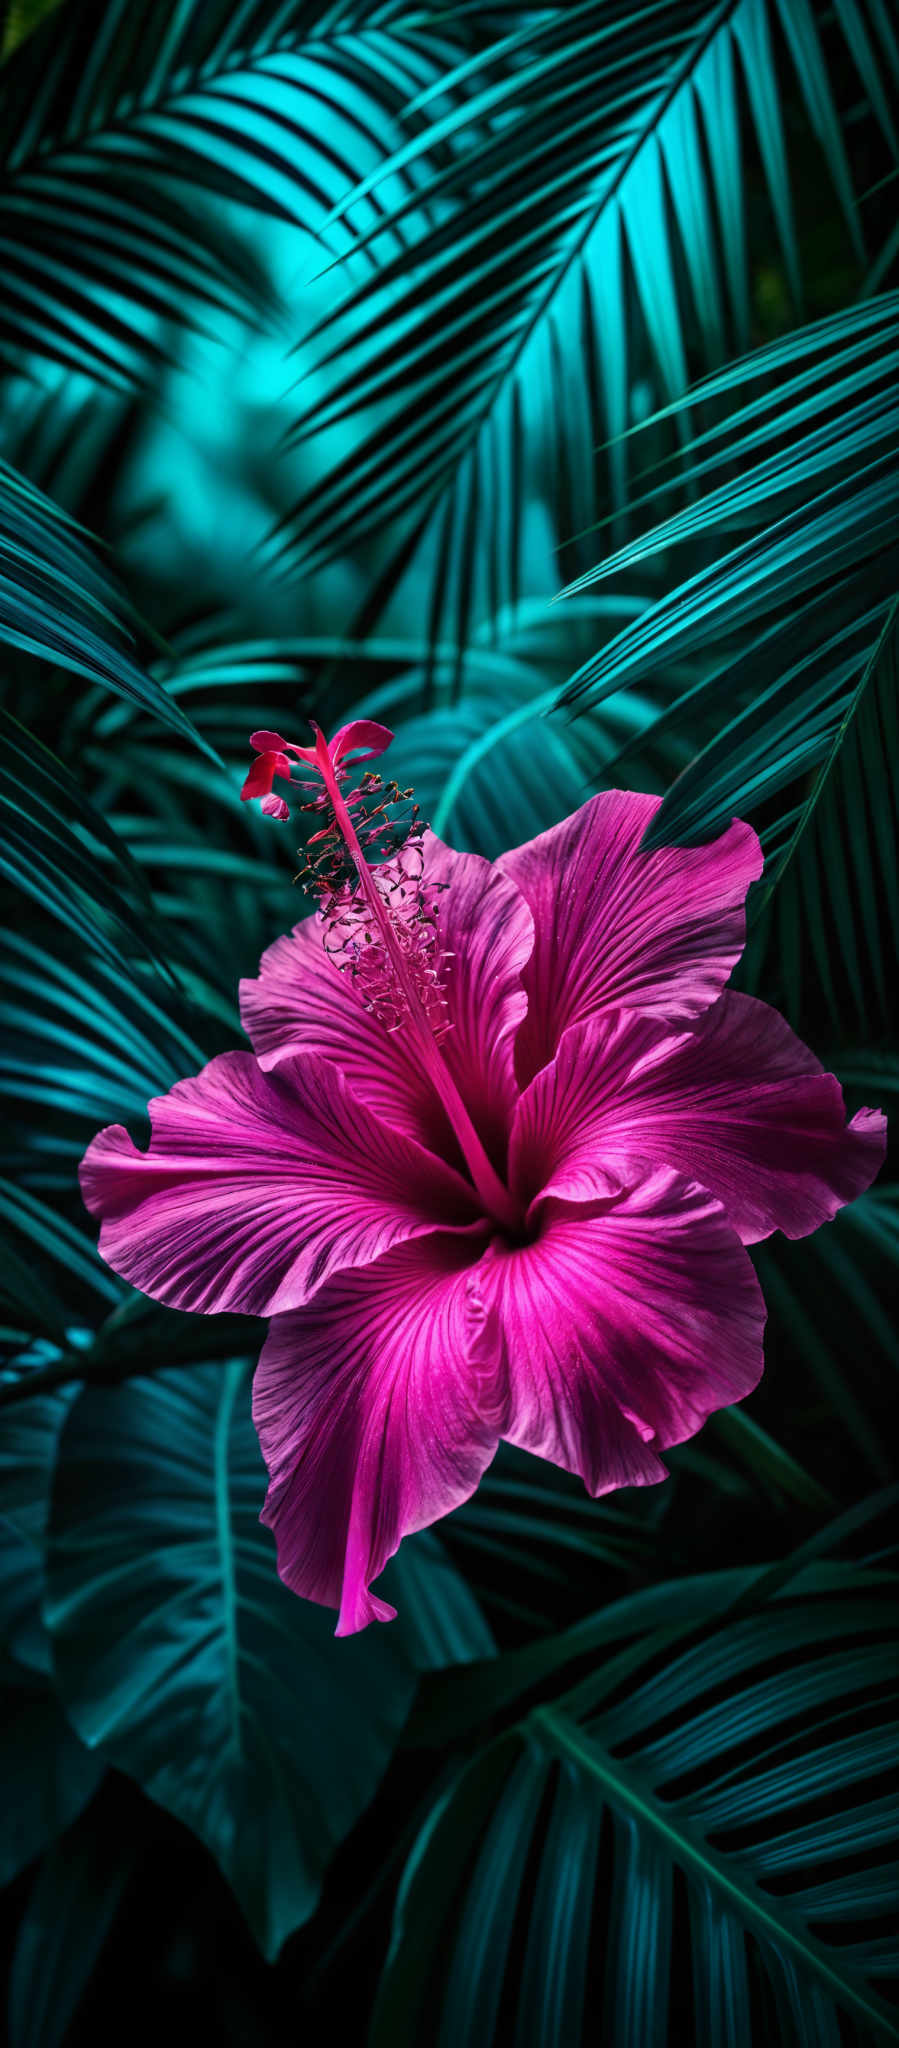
818 448
525 1507
115 120
827 1300
84 1043
699 1801
48 1242
557 260
59 603
841 852
491 711
53 843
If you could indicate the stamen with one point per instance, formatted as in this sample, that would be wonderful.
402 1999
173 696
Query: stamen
351 938
380 919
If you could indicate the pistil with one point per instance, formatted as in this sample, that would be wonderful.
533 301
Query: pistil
495 1196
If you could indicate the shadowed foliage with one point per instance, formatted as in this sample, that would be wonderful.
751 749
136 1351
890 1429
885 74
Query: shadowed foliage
525 378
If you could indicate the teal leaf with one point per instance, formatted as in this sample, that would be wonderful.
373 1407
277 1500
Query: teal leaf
59 603
813 462
120 147
438 1614
71 1908
55 845
841 851
29 1435
493 768
21 1594
829 1300
46 1775
87 1041
182 1658
684 1774
570 197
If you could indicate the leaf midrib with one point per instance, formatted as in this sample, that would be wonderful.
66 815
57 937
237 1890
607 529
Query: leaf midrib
657 106
830 761
654 114
130 110
233 1376
693 1852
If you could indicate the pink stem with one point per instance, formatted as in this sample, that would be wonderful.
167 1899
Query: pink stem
495 1197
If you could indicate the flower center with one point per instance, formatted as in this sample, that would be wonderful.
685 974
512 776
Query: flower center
381 924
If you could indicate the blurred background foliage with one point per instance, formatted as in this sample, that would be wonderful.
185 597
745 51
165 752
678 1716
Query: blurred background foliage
337 343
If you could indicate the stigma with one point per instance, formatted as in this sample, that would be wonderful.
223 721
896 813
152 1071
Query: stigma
365 868
365 865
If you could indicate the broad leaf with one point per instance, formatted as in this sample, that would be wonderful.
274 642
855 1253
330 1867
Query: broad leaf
29 1435
46 1775
70 1910
182 1658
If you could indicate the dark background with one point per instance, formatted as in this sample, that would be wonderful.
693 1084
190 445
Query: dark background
335 340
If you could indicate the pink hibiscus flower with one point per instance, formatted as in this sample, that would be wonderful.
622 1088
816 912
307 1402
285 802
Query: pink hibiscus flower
491 1166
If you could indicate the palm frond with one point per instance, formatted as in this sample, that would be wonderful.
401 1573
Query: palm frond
53 843
830 1327
286 1751
694 1836
116 120
589 232
58 601
86 1041
50 1272
818 450
837 877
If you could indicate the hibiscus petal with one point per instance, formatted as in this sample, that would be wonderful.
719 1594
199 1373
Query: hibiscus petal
373 1407
255 1188
363 732
617 927
300 999
261 773
267 742
738 1103
624 1328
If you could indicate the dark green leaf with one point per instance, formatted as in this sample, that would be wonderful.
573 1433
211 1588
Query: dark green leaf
183 1659
759 1748
70 1910
57 602
114 128
47 1774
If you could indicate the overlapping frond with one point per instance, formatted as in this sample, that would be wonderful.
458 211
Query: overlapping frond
115 122
837 876
60 603
810 469
693 1842
593 206
539 228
